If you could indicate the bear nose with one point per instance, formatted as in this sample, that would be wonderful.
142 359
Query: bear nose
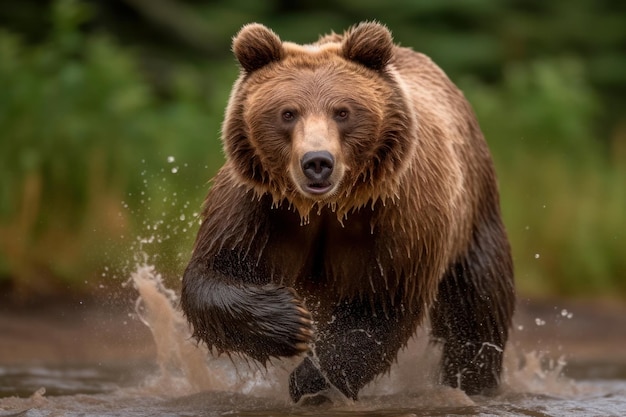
317 165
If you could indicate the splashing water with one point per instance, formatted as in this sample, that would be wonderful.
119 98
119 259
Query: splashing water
190 380
185 366
182 366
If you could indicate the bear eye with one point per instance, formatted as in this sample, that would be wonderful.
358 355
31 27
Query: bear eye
288 116
341 114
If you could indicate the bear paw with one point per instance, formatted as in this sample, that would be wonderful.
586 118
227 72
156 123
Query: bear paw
268 321
283 323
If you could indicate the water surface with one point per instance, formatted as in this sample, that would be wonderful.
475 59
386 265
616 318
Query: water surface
562 361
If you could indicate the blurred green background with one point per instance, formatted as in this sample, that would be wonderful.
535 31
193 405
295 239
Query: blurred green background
110 114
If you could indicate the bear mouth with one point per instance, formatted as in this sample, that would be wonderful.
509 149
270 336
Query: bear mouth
318 188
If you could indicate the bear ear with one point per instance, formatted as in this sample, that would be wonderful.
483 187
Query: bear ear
370 44
255 46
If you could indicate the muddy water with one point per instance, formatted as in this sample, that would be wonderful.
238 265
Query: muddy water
85 361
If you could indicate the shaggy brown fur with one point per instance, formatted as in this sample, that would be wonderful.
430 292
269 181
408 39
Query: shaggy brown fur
396 217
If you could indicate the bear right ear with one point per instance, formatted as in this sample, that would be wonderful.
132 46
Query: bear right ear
370 44
255 46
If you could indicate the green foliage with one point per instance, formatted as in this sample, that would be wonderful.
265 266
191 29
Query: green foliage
106 150
546 105
563 200
79 124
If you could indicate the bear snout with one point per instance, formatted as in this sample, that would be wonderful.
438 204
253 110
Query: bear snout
317 167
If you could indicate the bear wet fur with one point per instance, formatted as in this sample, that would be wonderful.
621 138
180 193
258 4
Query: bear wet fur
358 197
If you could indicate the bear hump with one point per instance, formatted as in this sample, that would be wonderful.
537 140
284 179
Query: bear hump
255 46
370 44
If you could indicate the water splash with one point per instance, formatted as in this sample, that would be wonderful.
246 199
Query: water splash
185 366
182 366
191 381
540 374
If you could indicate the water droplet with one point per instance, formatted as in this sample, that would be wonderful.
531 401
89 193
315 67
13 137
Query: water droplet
182 217
536 256
170 159
540 322
174 170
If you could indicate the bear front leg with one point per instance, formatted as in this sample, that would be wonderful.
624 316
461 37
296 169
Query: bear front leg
359 342
472 315
230 315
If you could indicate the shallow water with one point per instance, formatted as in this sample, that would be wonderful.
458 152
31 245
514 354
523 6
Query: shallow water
181 378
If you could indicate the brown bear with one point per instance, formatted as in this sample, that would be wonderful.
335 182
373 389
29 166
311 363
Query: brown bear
358 197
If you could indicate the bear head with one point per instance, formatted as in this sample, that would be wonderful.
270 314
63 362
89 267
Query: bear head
325 124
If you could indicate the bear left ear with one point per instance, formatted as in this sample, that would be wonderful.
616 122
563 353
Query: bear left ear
255 46
370 44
